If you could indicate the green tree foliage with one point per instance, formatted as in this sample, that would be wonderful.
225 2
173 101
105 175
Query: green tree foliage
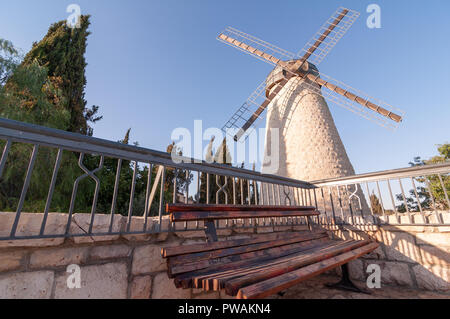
62 51
28 95
9 59
377 208
424 186
47 88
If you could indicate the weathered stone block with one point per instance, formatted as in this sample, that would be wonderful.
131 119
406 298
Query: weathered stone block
110 251
80 225
400 246
356 269
376 254
141 287
109 281
163 288
435 239
433 277
137 225
55 257
11 260
166 224
147 259
27 285
432 255
395 273
30 225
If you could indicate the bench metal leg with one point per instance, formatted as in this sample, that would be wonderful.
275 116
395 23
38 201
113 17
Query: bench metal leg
210 231
345 283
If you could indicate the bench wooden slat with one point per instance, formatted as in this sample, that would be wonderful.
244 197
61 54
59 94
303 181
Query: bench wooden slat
255 267
170 208
271 251
282 282
250 259
199 280
182 250
218 253
233 284
217 281
186 216
203 264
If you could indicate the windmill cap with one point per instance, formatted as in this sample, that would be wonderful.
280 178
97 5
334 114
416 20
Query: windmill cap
278 74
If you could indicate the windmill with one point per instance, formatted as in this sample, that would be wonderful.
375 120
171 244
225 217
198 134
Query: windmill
293 95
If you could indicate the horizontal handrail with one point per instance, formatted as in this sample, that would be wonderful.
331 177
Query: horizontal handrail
35 134
416 171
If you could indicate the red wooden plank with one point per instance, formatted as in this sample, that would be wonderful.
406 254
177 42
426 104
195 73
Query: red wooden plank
282 282
206 215
182 250
206 263
233 283
217 281
276 255
218 253
170 208
245 260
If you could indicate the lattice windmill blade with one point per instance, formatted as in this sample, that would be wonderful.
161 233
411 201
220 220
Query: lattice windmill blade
328 35
299 66
256 47
243 121
361 101
352 99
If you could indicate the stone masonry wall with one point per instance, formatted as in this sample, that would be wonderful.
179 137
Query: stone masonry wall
411 256
113 267
131 266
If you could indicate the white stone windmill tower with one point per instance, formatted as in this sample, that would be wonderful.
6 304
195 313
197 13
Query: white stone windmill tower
309 144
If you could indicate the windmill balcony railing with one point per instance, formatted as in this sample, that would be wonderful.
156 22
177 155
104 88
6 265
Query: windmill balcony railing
57 184
416 195
96 187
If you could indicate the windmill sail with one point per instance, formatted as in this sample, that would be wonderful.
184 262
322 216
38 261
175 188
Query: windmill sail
334 91
328 35
315 50
298 66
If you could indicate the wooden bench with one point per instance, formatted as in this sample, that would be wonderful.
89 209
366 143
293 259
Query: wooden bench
260 266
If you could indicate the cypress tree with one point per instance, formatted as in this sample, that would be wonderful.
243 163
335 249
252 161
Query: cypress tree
62 51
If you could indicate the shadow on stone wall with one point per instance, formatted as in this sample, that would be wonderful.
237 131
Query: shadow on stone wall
412 256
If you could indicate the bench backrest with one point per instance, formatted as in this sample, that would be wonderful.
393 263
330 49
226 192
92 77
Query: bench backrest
210 213
189 212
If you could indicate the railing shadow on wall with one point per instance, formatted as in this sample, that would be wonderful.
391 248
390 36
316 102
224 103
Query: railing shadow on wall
103 188
413 230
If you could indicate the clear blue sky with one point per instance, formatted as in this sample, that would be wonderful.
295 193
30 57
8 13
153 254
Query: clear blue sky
156 65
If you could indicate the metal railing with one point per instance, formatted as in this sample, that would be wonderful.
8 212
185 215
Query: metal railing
137 182
417 195
108 188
